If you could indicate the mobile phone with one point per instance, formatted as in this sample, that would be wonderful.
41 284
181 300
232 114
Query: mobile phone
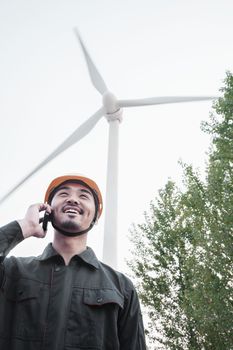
45 220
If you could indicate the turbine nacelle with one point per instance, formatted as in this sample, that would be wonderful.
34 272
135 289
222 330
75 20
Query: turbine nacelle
112 110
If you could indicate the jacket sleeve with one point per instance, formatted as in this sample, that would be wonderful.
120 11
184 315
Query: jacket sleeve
130 326
10 236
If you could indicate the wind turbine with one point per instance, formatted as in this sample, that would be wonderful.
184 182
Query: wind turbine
112 110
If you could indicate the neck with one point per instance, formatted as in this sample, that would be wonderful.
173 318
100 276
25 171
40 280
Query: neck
67 247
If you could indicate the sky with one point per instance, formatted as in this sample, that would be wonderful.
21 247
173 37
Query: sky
142 49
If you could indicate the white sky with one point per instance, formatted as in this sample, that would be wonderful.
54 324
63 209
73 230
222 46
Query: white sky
142 48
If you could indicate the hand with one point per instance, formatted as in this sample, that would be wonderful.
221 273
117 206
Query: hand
30 223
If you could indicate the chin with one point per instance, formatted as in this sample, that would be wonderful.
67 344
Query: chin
70 226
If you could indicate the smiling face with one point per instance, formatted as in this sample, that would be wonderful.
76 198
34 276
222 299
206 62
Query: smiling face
73 207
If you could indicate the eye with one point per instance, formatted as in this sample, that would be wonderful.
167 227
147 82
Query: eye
63 194
84 196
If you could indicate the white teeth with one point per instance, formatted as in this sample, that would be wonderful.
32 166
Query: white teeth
73 211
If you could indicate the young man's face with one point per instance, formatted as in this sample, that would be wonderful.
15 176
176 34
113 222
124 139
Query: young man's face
73 207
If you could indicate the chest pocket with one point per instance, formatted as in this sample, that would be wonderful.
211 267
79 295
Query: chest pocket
24 308
93 318
22 293
101 297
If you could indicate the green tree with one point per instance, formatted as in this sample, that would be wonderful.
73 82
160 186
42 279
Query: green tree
183 252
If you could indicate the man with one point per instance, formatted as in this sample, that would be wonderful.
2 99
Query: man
65 298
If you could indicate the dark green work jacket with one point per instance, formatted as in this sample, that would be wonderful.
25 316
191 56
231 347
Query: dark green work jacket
46 305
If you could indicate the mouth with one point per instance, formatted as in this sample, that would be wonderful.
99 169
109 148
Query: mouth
73 210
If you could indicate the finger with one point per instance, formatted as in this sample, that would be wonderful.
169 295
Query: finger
48 208
42 206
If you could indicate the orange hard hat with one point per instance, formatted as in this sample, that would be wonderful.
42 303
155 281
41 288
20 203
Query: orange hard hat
75 178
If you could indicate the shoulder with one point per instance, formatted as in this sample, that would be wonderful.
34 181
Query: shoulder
119 279
18 265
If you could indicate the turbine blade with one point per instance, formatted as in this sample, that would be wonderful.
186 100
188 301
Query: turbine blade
76 136
95 76
163 100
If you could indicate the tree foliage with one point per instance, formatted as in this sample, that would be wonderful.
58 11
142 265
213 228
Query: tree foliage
183 252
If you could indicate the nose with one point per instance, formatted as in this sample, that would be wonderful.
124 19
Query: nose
72 200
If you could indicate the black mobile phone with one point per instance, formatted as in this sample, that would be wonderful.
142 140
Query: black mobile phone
45 220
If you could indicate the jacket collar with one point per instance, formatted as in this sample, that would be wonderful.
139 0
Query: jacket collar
88 255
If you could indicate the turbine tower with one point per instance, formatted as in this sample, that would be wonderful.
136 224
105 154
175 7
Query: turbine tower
112 109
